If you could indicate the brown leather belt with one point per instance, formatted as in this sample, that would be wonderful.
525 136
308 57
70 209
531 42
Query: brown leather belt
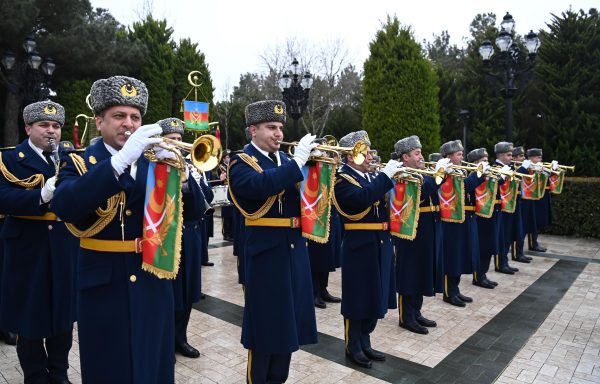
50 216
435 208
279 222
366 226
111 245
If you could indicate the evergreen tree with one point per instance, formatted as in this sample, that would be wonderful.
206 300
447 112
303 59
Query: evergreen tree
400 91
157 68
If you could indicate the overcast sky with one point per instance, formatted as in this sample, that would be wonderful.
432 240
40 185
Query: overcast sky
233 34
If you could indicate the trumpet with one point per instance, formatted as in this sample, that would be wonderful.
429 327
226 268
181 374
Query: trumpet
560 166
358 152
510 174
541 167
205 152
454 170
415 174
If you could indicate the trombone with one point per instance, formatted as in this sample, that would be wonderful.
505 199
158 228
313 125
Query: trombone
358 152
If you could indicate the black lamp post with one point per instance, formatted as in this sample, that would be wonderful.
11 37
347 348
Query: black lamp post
27 77
295 89
510 66
465 117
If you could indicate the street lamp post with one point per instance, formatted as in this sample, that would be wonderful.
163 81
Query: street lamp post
295 89
465 117
26 76
511 66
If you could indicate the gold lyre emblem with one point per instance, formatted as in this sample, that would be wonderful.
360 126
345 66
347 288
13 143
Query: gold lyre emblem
278 109
128 90
50 110
92 160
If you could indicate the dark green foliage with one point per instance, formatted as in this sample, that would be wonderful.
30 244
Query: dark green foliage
569 74
576 211
157 68
71 95
400 91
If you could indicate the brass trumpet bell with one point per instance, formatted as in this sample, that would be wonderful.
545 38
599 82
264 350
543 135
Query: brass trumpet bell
358 152
205 151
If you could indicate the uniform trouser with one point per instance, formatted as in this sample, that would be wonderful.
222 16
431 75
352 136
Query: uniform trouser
358 334
409 308
451 285
267 367
182 319
532 240
484 267
320 282
500 261
41 364
227 229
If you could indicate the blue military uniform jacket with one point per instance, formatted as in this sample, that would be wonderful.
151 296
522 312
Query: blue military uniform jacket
513 222
38 283
368 284
491 231
325 257
279 314
419 262
126 322
461 240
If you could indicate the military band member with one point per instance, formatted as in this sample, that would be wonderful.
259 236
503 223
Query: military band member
227 211
419 262
187 284
126 323
279 313
488 230
518 233
368 288
435 157
38 276
461 242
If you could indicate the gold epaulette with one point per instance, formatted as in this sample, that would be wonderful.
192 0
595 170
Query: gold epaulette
350 179
28 183
253 163
348 216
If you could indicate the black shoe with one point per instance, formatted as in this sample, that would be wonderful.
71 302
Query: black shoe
9 338
513 269
522 259
320 303
426 322
491 282
65 381
359 359
208 264
187 350
538 248
227 238
528 257
415 327
483 284
454 300
373 354
329 298
202 296
505 270
464 298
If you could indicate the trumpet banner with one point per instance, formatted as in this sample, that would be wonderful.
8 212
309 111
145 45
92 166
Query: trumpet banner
163 218
535 188
195 115
405 199
485 196
315 203
556 182
452 199
508 195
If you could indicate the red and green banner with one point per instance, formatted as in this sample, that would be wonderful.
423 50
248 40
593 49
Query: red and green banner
485 195
556 182
534 189
404 199
195 115
163 219
315 204
452 199
508 195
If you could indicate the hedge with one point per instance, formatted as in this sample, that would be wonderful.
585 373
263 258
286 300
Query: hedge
576 211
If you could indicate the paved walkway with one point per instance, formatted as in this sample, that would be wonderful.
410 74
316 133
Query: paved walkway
541 325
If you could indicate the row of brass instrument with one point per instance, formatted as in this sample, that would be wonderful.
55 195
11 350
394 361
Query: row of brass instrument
330 152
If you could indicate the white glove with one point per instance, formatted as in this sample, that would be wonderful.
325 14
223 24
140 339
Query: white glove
526 164
191 170
303 149
135 145
48 189
391 168
554 165
163 153
443 163
505 168
486 167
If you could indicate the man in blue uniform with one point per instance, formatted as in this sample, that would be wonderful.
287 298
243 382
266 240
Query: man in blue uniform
461 242
419 262
126 322
279 314
368 288
187 286
38 293
518 232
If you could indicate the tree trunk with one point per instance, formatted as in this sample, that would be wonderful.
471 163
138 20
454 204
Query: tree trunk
11 120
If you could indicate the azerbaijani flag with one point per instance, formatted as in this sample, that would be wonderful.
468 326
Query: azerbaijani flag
315 204
163 219
452 199
508 195
485 196
195 115
405 198
556 182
